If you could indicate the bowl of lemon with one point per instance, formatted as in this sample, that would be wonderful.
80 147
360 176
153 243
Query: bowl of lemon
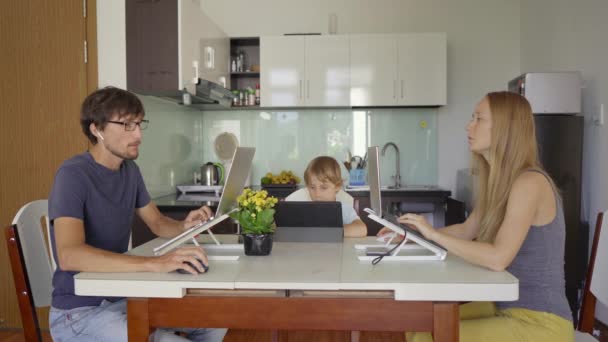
284 179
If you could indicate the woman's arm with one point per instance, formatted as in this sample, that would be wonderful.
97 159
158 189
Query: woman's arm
468 230
523 203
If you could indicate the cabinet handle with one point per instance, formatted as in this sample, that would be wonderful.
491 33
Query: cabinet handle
394 89
308 89
401 88
300 90
195 66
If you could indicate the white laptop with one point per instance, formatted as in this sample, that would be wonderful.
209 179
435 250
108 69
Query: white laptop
235 182
389 220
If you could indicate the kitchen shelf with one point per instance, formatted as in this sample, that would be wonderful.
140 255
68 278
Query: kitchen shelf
251 47
245 74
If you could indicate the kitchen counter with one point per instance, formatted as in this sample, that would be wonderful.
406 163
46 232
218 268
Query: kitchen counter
417 193
415 198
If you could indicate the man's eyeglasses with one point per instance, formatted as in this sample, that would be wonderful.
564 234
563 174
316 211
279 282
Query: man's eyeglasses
130 125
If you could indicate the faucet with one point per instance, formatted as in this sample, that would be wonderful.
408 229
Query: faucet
397 176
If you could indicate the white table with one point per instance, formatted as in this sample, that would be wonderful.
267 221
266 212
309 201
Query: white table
304 286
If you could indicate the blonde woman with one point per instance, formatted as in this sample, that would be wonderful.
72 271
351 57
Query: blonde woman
517 225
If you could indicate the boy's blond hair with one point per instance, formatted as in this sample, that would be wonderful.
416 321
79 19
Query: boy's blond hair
325 169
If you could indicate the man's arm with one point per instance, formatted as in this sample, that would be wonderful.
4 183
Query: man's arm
164 226
74 254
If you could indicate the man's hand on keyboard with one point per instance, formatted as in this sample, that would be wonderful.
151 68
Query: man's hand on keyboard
197 216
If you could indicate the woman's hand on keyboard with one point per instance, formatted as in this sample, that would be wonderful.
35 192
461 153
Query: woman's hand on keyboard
419 223
387 233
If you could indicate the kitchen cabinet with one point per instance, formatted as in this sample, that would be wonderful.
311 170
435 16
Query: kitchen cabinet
398 69
170 44
282 71
422 69
305 71
373 70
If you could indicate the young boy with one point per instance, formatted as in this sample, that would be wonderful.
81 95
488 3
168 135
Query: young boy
324 183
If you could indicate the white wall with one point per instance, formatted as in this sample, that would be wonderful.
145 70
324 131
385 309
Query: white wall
111 43
483 45
571 35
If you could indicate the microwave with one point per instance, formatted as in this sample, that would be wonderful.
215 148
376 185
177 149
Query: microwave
550 92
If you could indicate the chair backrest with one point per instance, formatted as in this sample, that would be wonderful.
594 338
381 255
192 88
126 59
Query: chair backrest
596 284
31 264
39 263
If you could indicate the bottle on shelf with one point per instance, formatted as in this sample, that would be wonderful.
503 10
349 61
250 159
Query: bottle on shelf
186 98
233 66
257 94
251 96
235 99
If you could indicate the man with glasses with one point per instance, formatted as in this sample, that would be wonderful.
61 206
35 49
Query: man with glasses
91 207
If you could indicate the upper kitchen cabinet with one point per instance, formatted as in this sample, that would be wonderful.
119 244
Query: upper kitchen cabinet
373 70
398 70
282 71
170 44
305 71
422 69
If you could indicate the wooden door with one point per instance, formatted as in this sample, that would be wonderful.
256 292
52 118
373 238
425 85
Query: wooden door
44 80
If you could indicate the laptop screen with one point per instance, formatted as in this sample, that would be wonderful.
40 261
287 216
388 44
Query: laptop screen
309 214
373 177
240 167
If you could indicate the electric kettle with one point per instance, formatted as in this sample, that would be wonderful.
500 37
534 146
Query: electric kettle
212 173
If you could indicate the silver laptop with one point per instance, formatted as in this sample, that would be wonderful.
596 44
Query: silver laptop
235 182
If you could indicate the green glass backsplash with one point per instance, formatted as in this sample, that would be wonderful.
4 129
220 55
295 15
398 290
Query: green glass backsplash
180 139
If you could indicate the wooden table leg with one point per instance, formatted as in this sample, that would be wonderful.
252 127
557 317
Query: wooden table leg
138 319
445 322
279 336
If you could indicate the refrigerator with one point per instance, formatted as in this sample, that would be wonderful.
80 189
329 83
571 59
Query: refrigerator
556 102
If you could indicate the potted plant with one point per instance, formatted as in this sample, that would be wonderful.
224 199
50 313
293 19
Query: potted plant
256 217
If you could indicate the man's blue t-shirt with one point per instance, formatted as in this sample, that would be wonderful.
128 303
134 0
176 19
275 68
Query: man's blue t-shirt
105 200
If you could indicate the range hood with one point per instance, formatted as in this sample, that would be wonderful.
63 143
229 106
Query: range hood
208 96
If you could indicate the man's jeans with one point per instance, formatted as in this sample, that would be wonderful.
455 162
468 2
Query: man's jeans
108 322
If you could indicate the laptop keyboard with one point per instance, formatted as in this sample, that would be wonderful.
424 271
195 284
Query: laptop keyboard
409 231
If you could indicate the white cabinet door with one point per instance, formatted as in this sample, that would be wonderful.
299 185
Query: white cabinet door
327 80
282 71
422 63
373 70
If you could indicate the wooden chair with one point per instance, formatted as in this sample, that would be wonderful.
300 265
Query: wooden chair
596 284
31 264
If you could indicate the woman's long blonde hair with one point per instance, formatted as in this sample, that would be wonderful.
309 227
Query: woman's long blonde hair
513 150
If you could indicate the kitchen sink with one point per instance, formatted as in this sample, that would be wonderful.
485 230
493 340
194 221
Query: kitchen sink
401 188
410 188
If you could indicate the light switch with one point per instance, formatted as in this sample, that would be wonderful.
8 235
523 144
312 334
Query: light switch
598 119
